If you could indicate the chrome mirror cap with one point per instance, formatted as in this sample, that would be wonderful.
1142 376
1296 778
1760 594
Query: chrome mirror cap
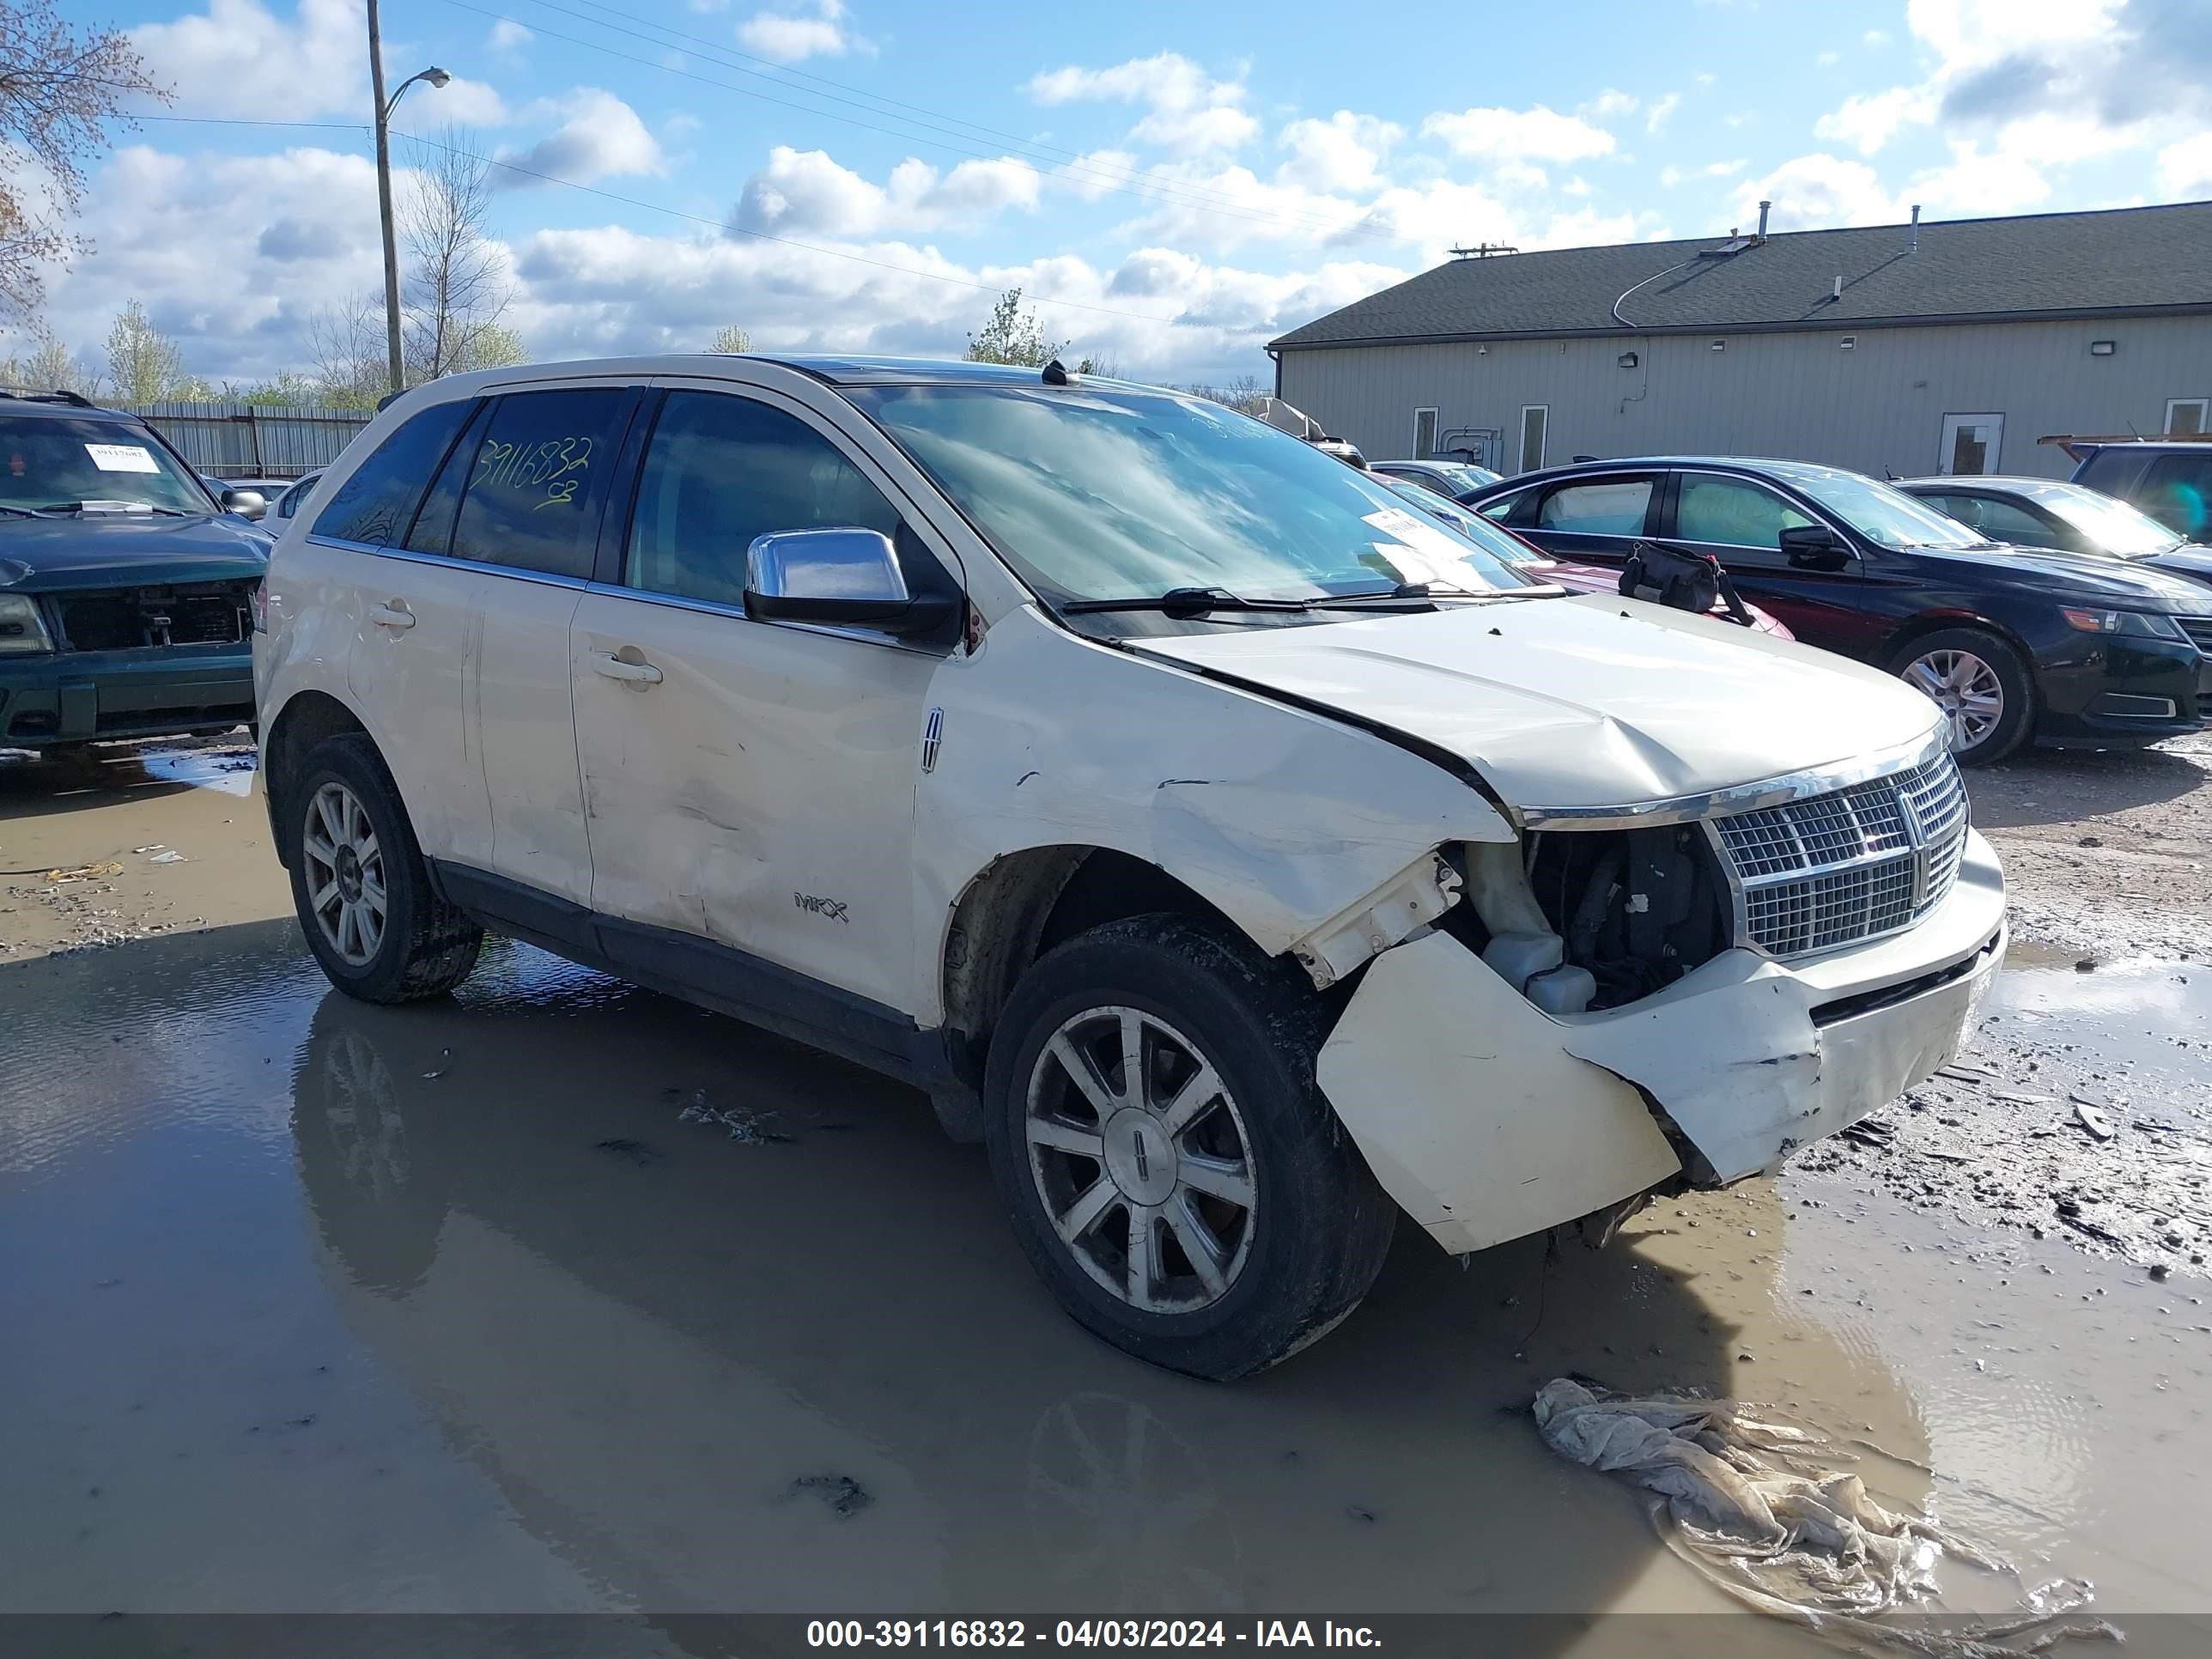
844 564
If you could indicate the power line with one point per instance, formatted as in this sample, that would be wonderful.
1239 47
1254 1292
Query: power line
1129 184
674 213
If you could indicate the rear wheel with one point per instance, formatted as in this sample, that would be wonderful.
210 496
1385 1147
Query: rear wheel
1172 1168
1982 685
359 884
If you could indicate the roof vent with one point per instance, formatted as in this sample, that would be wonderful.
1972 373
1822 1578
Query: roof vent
1734 246
1913 246
1763 206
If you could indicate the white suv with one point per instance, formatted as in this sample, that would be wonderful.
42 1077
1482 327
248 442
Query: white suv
1241 855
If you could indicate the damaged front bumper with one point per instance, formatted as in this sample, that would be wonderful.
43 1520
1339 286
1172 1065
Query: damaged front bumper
1487 1119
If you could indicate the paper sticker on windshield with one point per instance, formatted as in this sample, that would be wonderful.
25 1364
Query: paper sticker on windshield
122 457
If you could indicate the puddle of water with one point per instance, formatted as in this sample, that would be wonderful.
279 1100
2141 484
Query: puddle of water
313 1305
2147 1014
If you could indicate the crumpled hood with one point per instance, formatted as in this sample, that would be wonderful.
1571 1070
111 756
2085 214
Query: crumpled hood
127 551
1585 701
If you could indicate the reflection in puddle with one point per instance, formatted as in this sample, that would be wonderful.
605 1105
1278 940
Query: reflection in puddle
450 1310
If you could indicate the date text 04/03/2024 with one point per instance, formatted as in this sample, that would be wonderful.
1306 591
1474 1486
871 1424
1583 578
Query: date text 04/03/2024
1086 1633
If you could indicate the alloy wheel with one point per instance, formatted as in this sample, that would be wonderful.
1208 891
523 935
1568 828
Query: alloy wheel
345 874
1142 1160
1966 688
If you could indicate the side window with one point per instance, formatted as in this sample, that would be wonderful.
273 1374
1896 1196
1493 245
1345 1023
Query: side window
2178 493
538 479
433 530
1502 510
376 503
1732 512
2002 521
1597 509
722 470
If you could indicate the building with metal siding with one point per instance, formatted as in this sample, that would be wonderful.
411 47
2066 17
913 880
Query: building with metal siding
1914 349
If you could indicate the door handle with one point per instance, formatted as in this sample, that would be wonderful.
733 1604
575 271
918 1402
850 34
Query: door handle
395 616
620 668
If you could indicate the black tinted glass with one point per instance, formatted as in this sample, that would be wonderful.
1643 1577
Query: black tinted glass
538 477
723 470
377 502
433 531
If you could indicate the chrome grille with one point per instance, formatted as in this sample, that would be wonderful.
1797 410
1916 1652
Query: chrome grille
1850 864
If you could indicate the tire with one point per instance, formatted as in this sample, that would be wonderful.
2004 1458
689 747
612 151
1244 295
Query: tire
1952 665
343 800
1285 1265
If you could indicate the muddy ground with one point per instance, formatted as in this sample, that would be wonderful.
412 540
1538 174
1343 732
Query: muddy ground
564 1297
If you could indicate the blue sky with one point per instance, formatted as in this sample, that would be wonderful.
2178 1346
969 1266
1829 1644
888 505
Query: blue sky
1175 184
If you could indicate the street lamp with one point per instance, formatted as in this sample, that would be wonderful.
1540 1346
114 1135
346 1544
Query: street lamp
436 78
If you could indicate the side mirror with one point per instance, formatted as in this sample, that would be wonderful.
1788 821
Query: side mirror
246 503
1814 547
842 577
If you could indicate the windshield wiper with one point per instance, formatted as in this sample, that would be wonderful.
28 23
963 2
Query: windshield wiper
21 512
1181 602
79 507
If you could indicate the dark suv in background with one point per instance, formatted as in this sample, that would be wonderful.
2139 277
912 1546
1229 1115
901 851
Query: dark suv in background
2014 643
2169 479
126 584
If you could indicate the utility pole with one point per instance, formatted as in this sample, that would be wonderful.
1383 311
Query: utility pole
436 78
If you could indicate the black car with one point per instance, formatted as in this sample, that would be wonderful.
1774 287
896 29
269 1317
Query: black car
2015 643
2046 513
2170 478
126 584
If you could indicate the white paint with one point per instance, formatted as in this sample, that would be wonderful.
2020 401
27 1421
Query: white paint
1584 702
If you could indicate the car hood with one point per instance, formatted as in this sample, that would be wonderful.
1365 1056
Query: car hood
2192 559
44 555
2058 575
1582 702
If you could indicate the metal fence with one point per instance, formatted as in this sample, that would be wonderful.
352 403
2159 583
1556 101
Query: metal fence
247 440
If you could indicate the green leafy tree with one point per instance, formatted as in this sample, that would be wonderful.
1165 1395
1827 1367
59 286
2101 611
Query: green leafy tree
733 340
51 366
495 346
144 365
1011 336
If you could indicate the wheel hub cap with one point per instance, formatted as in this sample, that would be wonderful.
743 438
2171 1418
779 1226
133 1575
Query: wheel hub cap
349 874
1139 1158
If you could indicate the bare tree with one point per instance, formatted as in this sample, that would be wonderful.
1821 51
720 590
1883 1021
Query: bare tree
457 282
733 340
145 365
58 88
346 346
1244 394
51 367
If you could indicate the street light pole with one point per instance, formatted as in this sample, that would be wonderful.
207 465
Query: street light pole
436 78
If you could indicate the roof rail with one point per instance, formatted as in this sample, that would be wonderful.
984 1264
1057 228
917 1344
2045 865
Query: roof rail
58 395
2066 440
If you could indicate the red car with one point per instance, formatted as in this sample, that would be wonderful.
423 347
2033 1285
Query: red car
1532 559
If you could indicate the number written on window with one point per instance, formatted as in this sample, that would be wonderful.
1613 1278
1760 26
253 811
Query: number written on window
538 477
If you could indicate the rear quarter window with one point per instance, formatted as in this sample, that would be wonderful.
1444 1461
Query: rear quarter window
377 503
538 477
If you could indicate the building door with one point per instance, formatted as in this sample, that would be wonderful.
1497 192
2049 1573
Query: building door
1425 435
1971 445
1534 418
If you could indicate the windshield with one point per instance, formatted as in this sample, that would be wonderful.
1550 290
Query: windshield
1478 530
1091 494
1465 480
1887 516
2114 527
50 461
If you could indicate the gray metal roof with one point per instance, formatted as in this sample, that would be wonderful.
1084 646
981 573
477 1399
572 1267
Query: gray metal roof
2049 264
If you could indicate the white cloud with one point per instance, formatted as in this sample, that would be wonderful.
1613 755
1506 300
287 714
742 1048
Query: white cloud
1868 121
1541 134
1189 112
806 194
1609 104
507 35
1663 111
1829 58
599 137
2184 170
1876 38
1814 191
1977 182
793 37
1343 153
1096 172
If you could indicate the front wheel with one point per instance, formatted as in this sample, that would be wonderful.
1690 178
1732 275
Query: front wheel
1981 684
1173 1171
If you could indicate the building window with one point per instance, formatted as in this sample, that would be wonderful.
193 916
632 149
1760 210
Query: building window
1425 435
2187 417
1535 419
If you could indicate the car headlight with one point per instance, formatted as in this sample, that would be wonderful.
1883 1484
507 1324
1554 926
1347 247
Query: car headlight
2143 624
22 629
